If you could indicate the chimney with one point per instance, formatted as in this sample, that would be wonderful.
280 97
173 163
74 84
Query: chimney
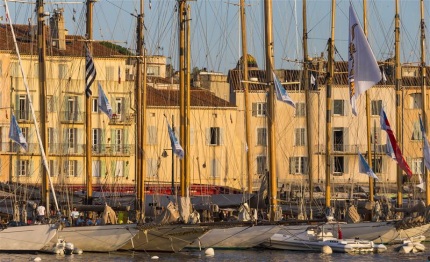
58 33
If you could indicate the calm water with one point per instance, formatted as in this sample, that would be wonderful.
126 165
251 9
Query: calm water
225 255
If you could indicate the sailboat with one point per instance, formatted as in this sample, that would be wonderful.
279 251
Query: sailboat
33 237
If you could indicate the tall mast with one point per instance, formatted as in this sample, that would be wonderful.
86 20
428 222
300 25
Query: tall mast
329 105
41 47
270 109
140 93
307 102
423 92
368 109
88 133
399 96
246 92
187 102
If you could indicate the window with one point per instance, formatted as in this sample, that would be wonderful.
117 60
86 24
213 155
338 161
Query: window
339 165
416 133
298 165
215 169
97 168
214 136
71 168
118 107
72 108
376 107
261 164
95 105
259 109
262 136
339 107
71 138
14 69
300 109
300 137
62 71
96 139
152 135
377 165
417 166
416 101
23 108
119 169
23 168
151 167
118 140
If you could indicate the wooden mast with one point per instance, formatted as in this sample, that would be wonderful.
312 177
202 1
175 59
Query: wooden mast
246 92
41 47
329 106
271 110
307 88
140 93
398 86
88 99
368 111
423 93
187 157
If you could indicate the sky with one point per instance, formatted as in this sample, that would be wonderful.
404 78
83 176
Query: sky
215 28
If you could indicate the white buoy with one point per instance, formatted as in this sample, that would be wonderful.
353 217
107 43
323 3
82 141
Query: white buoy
154 257
326 250
37 259
210 252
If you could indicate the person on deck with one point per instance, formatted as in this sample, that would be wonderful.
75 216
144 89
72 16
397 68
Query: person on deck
40 211
80 221
74 215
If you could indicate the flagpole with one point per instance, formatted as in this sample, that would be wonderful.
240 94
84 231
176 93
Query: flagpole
368 109
41 46
398 84
424 95
328 134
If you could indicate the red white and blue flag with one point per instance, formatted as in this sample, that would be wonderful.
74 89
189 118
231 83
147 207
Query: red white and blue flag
385 125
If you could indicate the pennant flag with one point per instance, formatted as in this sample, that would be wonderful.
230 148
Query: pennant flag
384 77
385 125
103 102
426 149
389 149
90 72
246 147
281 93
312 80
364 167
176 147
119 75
16 134
363 70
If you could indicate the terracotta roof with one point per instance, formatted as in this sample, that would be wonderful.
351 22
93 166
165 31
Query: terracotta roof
27 44
199 97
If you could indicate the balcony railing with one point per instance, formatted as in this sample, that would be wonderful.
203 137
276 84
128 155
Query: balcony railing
350 149
120 119
24 116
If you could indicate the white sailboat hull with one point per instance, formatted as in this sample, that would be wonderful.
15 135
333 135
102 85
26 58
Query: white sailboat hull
397 236
104 238
168 238
237 237
26 238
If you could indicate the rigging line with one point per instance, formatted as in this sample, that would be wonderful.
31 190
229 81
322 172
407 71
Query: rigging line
122 9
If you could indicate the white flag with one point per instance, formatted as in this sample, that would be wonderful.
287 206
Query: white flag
281 93
363 70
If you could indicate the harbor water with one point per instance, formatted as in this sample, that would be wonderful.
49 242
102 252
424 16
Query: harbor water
224 255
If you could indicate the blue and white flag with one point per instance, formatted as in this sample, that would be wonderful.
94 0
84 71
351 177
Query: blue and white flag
426 149
90 72
16 134
364 167
389 149
103 103
176 147
281 93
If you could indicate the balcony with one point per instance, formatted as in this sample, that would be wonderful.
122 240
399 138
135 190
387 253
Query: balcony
110 149
122 119
24 116
342 149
